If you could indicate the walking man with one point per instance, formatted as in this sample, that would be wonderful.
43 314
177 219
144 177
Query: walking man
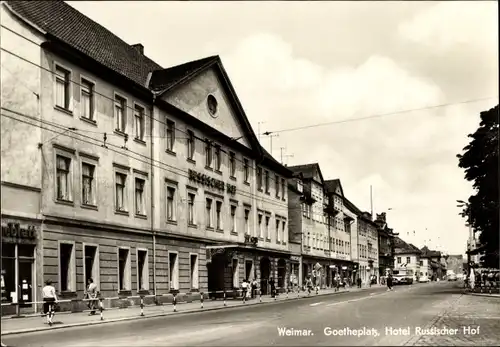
91 295
244 287
49 301
389 282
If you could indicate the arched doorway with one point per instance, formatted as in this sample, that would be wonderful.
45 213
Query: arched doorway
215 271
281 274
265 274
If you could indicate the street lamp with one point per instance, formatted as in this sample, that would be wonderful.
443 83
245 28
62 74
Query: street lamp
463 204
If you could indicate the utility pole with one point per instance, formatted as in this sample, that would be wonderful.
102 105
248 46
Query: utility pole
281 154
271 140
258 129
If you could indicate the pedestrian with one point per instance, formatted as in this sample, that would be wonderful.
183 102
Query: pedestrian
273 287
49 301
472 279
309 284
254 288
91 296
244 289
389 282
358 280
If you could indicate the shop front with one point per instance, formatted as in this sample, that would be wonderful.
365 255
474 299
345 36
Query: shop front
316 269
295 261
19 279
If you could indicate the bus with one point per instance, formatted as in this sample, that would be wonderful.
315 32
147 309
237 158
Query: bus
402 276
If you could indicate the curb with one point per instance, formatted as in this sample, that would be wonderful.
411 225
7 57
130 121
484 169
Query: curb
484 295
156 315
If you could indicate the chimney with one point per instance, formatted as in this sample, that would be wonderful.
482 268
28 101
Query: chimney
139 48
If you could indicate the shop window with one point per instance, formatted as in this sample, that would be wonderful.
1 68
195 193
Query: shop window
194 271
142 270
91 264
173 271
67 268
124 277
8 271
235 268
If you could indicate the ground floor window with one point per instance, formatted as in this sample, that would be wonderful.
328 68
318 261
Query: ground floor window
173 270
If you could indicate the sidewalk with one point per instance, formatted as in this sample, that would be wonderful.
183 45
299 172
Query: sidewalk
63 320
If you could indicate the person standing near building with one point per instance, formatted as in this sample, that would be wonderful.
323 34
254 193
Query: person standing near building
49 300
244 287
389 282
91 295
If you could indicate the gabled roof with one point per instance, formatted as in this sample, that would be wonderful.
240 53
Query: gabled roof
401 247
427 253
67 24
331 186
352 207
307 170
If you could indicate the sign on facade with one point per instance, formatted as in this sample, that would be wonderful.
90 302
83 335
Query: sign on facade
211 182
15 233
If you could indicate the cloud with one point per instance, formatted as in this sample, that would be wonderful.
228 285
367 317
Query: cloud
455 23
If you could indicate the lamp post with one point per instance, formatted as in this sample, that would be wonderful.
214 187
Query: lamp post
463 204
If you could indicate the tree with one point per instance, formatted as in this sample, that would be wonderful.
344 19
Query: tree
480 163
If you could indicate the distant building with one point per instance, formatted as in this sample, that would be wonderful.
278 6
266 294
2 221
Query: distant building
430 264
386 238
455 263
407 257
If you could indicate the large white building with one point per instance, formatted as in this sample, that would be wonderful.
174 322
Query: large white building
407 257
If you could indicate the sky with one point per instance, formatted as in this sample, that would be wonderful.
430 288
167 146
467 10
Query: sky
295 64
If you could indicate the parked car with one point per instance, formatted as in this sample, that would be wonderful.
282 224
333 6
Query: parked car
402 279
424 279
452 277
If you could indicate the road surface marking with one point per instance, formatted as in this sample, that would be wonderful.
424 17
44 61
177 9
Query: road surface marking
352 300
316 304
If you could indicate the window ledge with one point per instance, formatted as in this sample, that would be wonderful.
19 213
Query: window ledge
138 140
171 222
119 132
68 294
217 171
195 290
64 110
234 233
89 121
268 240
232 178
210 229
221 231
208 168
172 153
121 212
190 160
261 238
65 202
124 293
193 226
143 292
174 291
141 216
247 183
89 207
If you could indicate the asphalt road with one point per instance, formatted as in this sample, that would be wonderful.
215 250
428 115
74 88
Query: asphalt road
260 325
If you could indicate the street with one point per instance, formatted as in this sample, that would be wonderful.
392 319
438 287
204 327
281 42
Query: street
314 322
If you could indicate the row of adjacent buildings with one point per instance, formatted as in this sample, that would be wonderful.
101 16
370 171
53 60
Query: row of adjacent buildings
150 180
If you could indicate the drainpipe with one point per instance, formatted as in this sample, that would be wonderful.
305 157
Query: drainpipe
151 143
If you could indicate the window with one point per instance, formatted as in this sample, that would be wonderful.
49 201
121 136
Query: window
191 200
408 260
232 164
88 184
124 278
91 264
139 120
63 168
267 181
261 230
208 153
235 268
277 185
218 217
217 160
63 79
259 178
173 271
194 271
247 224
278 230
421 263
121 194
67 267
171 204
140 206
208 215
120 113
233 218
190 145
87 99
142 270
283 230
283 189
170 135
246 170
267 227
